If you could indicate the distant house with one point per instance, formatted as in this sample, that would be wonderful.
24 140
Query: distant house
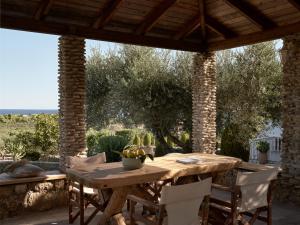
273 135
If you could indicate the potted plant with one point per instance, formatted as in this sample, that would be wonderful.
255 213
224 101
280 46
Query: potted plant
133 157
263 147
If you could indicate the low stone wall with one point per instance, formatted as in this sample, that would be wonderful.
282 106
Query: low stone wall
38 196
44 165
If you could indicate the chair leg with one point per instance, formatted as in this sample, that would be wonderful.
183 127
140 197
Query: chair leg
131 211
81 204
161 215
70 207
205 210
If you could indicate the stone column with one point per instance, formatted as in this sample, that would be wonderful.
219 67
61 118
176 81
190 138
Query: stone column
71 55
290 177
204 102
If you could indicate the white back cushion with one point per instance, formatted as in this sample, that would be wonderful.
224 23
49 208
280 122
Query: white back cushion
183 202
79 162
254 188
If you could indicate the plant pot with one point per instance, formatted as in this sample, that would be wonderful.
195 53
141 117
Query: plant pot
132 164
262 158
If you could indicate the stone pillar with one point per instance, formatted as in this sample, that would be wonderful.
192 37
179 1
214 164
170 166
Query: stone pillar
290 177
204 102
71 55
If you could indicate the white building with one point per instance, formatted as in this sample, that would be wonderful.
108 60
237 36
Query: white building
273 135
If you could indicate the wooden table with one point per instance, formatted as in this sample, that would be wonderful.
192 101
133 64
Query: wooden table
122 182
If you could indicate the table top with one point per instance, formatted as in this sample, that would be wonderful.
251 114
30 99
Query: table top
110 175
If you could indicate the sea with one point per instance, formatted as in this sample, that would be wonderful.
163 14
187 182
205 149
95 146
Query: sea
27 111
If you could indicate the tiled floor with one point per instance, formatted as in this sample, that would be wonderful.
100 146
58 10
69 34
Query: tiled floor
283 214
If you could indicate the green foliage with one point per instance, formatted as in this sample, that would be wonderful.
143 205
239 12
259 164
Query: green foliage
110 144
170 143
185 137
128 134
263 146
31 137
14 147
137 140
92 138
147 139
248 88
160 150
231 144
137 85
46 134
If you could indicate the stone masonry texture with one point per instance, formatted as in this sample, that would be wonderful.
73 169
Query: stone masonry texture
72 84
204 102
290 176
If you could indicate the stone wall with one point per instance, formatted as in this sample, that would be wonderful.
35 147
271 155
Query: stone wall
290 177
39 196
204 102
71 97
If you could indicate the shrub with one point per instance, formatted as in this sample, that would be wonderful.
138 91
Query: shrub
185 137
137 140
263 146
231 145
147 139
170 142
160 150
128 134
109 144
153 140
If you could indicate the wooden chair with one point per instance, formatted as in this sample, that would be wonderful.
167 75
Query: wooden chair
178 205
250 196
81 197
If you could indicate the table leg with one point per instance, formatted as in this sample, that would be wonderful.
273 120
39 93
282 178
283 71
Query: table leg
114 207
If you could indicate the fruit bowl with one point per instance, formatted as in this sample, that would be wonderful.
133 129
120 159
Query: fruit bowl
133 157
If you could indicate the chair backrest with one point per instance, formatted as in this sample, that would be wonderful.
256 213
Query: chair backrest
254 188
79 162
183 202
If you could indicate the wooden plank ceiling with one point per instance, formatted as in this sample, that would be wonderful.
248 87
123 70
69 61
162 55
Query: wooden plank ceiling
192 25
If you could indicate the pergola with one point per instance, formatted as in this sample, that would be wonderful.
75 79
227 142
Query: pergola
190 25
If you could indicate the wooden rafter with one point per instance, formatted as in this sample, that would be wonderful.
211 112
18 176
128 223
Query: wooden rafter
295 3
188 28
248 39
219 28
43 9
10 22
252 13
210 22
202 18
153 17
107 13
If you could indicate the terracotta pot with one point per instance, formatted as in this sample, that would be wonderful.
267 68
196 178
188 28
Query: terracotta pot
132 164
262 158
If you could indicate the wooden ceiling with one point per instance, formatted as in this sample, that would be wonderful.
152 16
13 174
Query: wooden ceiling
192 25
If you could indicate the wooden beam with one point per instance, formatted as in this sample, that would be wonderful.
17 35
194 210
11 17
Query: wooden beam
107 13
261 36
295 3
153 17
188 28
219 28
251 13
202 18
43 9
17 23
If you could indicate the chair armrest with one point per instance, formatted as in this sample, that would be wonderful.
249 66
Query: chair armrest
143 201
223 188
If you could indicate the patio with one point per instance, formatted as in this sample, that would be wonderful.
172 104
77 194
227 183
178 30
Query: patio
197 26
283 213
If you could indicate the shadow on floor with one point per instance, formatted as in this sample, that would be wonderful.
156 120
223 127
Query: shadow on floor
283 214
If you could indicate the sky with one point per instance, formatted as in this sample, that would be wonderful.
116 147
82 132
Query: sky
29 69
